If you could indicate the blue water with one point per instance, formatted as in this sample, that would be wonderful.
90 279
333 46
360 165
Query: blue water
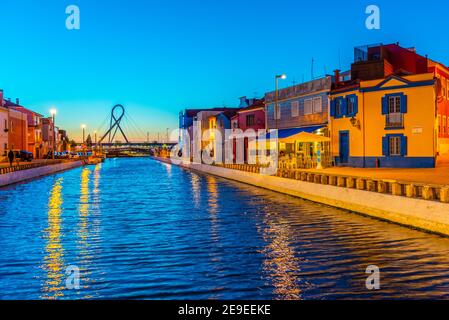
140 229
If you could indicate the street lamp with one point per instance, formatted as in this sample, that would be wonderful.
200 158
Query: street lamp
276 104
53 114
83 126
95 133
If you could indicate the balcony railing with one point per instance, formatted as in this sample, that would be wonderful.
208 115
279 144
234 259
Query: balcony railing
395 120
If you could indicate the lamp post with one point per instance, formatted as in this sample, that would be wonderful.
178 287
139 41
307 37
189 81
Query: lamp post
276 104
83 126
53 114
95 133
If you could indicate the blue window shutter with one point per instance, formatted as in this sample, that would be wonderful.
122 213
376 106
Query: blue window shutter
385 146
385 105
356 105
332 110
404 104
344 106
403 146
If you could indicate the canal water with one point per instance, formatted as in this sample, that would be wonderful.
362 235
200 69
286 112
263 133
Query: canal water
140 229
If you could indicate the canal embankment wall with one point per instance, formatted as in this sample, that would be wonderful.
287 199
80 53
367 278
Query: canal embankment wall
24 175
430 216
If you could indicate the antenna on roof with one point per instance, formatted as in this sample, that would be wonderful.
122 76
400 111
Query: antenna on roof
312 69
339 59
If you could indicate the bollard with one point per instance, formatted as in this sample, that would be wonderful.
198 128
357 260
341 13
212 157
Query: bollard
427 193
350 183
341 182
360 184
310 177
324 179
396 189
371 185
303 176
410 191
382 187
444 194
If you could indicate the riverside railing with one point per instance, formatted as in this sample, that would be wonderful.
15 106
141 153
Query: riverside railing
20 167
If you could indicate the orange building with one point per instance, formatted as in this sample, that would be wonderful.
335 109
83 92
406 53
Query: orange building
18 130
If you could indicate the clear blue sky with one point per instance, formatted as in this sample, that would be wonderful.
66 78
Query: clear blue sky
157 57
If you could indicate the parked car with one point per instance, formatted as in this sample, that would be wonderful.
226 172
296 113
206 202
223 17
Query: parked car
23 155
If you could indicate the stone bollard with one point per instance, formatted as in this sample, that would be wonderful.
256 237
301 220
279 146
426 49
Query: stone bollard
427 193
324 179
332 180
410 191
360 184
310 177
350 183
396 189
371 185
444 194
317 178
303 176
382 187
341 182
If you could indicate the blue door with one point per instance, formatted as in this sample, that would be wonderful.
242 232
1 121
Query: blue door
344 146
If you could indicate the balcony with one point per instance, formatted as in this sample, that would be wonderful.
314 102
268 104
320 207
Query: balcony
395 121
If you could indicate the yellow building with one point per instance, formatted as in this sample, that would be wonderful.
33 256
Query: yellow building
388 122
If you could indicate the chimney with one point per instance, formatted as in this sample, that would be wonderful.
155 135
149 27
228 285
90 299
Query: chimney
17 101
1 97
243 102
337 76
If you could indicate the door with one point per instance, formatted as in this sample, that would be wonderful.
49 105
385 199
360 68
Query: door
344 146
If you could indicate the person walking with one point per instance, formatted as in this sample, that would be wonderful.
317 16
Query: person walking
11 157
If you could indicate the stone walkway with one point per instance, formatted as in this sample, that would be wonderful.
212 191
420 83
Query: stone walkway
439 175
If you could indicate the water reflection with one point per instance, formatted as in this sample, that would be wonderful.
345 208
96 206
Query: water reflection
54 260
85 256
196 189
140 236
280 264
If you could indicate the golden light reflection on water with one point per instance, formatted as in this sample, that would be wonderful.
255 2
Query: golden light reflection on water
280 263
83 230
54 260
195 181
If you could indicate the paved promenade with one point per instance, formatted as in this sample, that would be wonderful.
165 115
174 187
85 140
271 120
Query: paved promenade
439 175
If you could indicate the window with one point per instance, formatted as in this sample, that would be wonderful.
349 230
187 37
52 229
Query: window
308 106
317 105
6 124
395 146
250 120
439 123
295 109
338 108
351 105
394 104
395 118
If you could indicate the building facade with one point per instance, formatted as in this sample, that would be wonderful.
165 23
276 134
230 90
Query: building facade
302 108
385 123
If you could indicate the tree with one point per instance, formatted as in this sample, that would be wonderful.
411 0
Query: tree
89 141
